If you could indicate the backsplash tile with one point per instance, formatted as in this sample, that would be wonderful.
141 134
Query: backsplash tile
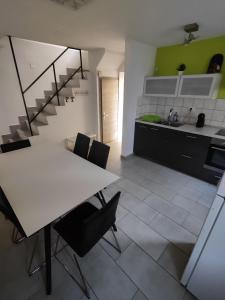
214 110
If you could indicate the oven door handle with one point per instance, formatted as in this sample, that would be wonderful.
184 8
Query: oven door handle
216 148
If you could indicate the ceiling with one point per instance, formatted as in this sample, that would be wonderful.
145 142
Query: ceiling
107 23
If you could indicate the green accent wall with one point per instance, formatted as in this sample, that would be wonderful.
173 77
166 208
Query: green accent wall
196 56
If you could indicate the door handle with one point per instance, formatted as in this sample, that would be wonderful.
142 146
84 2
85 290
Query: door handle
151 128
216 148
191 137
186 156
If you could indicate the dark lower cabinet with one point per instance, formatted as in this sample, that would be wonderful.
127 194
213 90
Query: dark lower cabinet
176 149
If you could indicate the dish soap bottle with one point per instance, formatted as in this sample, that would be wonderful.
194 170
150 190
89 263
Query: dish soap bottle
188 116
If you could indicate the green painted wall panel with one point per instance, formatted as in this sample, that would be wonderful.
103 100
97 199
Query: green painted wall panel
195 56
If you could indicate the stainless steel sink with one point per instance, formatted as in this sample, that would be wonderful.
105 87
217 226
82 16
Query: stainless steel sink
172 124
221 132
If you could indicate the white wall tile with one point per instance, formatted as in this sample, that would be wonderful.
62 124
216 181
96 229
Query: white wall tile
188 102
170 101
153 100
161 101
210 104
208 113
199 103
214 110
178 102
216 123
220 105
218 115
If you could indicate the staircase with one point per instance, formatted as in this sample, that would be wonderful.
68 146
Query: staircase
74 87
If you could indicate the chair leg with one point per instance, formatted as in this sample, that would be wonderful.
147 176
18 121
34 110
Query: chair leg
42 264
116 240
15 238
31 272
82 277
84 288
117 247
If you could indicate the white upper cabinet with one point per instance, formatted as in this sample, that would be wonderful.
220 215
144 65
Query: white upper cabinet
204 85
161 86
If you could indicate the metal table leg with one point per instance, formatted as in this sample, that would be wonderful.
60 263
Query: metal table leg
47 234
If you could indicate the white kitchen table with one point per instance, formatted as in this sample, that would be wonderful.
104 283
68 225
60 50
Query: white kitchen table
45 181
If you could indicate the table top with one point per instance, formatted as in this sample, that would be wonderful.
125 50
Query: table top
45 181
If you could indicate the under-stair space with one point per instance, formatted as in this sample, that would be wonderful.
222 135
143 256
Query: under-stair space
76 86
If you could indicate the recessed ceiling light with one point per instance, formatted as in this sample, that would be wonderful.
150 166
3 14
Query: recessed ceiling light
75 4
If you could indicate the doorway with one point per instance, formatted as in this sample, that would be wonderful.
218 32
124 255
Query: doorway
109 92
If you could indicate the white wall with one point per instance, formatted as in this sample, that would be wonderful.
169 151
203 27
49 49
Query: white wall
32 58
110 64
139 61
120 106
78 116
11 104
94 58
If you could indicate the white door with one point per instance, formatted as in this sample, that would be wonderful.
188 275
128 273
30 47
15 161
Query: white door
109 97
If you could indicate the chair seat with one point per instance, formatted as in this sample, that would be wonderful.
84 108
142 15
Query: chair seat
70 227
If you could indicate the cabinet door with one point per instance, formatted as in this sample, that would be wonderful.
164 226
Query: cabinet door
205 85
167 147
208 279
146 140
161 86
194 145
141 139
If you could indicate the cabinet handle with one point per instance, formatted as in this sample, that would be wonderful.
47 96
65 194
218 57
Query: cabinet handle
151 128
186 156
191 137
218 177
216 148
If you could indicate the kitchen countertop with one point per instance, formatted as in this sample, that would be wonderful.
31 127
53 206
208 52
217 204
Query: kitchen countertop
221 187
206 130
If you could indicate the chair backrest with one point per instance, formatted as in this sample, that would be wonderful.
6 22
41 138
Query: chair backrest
8 212
15 145
99 154
95 226
82 143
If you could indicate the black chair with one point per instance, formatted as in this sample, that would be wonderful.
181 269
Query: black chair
99 154
15 145
84 227
81 147
9 214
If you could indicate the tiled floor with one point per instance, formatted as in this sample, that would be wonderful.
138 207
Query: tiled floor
159 217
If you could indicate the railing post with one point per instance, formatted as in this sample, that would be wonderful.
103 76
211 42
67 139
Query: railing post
56 84
81 65
20 83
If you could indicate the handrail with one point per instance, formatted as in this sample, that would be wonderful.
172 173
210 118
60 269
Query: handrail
45 70
23 91
20 83
55 94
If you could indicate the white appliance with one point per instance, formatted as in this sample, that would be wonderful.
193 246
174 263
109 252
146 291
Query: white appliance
204 275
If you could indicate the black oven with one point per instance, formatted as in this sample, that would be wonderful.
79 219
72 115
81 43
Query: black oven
216 154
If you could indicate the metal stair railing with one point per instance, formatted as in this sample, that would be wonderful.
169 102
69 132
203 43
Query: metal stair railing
57 88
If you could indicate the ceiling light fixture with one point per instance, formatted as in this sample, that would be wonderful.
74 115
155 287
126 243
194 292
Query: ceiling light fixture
189 29
75 4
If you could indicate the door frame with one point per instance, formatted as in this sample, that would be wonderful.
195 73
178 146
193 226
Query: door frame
100 103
